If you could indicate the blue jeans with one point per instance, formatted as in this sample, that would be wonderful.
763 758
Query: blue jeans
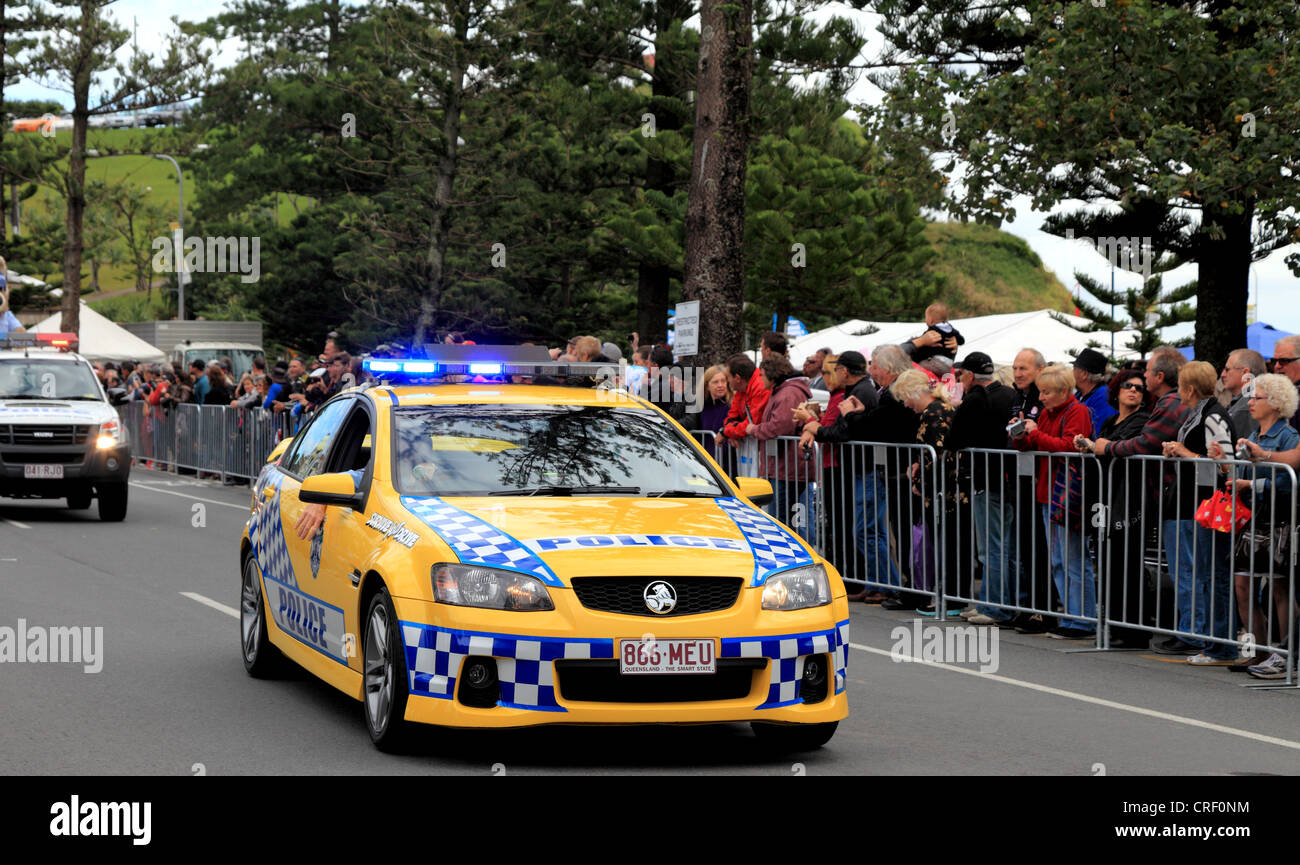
1199 569
995 545
1076 583
872 530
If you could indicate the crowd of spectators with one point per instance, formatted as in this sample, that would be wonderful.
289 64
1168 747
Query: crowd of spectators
951 482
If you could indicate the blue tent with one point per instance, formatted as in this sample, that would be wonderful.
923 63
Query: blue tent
1259 336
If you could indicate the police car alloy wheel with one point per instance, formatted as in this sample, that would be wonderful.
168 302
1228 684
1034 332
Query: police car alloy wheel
261 659
384 670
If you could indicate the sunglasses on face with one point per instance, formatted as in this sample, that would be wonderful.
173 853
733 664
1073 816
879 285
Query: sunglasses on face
1283 361
1132 385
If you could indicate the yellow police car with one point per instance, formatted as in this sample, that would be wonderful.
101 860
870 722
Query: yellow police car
475 547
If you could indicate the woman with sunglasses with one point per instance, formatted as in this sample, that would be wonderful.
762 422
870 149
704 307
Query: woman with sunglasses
1127 593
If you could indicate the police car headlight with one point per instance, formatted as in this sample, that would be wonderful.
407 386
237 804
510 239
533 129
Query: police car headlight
797 589
470 586
110 434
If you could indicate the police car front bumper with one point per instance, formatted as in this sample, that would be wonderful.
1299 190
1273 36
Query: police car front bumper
548 674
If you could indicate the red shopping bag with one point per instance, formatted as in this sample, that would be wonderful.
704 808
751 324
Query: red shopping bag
1223 512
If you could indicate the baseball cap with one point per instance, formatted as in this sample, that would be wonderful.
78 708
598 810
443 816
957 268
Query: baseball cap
318 373
611 351
1091 361
853 361
976 362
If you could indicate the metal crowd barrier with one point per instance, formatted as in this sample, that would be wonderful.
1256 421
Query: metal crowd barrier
1105 554
222 440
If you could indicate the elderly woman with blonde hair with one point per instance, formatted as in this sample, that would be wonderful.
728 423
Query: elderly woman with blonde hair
1062 419
1197 556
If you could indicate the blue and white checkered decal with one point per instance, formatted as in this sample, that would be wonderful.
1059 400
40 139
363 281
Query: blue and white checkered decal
524 668
266 531
775 549
476 541
787 652
434 656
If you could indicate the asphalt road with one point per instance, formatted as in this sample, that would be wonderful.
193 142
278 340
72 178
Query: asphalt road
173 699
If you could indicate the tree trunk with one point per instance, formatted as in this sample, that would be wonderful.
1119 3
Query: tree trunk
654 280
76 191
441 223
1223 286
715 212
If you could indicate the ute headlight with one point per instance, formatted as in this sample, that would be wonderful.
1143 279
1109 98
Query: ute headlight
797 589
110 434
473 586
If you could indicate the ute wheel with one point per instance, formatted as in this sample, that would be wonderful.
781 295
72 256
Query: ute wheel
112 502
786 738
79 499
261 659
383 662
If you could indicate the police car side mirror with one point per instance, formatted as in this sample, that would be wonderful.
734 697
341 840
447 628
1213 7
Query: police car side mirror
117 396
757 490
331 489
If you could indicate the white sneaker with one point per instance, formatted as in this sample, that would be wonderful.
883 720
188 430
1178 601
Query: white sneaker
969 612
981 619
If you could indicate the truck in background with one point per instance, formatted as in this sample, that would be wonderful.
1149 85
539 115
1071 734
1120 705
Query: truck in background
187 341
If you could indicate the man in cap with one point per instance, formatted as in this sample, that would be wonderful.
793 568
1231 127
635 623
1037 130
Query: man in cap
1090 378
870 529
981 422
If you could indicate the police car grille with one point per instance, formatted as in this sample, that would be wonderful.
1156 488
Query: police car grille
29 434
599 681
626 595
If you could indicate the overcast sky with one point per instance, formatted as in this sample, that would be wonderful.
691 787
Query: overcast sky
1272 284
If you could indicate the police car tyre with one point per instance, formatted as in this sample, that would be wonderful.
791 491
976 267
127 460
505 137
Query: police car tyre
80 499
261 659
383 665
112 502
785 738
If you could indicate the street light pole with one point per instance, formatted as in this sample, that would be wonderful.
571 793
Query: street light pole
180 240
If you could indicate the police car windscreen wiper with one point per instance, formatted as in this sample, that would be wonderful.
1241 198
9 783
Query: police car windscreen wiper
680 493
567 491
23 396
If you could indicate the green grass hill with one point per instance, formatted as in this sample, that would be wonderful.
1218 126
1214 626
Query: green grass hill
991 271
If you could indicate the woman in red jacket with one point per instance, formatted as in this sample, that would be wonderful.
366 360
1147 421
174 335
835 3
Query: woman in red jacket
1070 546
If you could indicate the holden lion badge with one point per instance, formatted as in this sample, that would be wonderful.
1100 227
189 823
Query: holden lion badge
660 597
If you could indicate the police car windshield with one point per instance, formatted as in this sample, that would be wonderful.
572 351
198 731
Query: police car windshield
476 450
34 378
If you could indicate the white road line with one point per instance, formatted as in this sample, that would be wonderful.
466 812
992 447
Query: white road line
208 602
187 496
1096 701
18 524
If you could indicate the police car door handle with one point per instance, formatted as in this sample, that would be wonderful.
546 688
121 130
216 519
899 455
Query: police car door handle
356 577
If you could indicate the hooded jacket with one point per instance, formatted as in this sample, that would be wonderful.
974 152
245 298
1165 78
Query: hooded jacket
780 460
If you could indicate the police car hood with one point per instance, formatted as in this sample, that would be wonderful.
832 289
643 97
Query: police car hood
582 536
55 411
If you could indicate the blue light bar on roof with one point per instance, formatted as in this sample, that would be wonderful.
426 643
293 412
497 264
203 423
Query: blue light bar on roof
382 365
485 368
419 366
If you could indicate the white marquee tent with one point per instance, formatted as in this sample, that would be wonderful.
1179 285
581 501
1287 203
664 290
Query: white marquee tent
101 340
998 336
